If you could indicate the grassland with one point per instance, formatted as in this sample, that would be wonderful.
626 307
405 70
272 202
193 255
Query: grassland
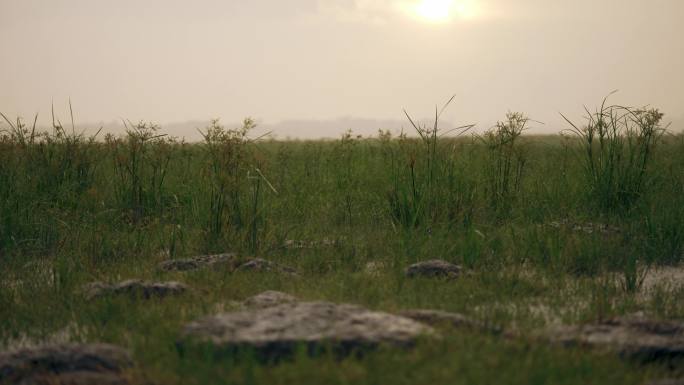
553 229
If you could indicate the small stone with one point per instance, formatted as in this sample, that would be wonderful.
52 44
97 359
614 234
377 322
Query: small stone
295 244
302 244
201 261
268 298
375 268
432 269
73 364
275 331
135 288
585 227
262 265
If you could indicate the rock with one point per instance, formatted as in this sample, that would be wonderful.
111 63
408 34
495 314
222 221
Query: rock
302 244
262 265
228 260
201 261
585 227
275 331
74 364
433 268
135 288
632 337
268 299
375 268
441 318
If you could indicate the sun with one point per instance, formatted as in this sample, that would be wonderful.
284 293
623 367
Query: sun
439 11
434 10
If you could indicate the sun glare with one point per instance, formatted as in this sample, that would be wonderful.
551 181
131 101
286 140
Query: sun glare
438 11
434 10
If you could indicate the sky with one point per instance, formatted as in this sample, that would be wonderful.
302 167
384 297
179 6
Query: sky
282 62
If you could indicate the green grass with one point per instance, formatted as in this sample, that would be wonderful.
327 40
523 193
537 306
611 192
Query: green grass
74 209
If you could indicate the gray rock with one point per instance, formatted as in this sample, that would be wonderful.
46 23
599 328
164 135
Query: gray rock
375 268
135 288
74 364
215 261
632 337
302 244
585 227
262 265
432 269
268 299
276 331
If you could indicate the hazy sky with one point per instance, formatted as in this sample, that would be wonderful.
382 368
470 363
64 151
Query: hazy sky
274 60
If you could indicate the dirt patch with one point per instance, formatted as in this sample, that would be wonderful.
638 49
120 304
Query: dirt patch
666 277
71 332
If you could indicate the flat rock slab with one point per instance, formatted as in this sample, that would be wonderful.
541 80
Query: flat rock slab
276 331
263 265
435 268
74 364
135 288
632 337
268 298
214 261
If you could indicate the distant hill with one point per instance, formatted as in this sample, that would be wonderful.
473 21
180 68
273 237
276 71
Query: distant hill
331 129
318 129
289 129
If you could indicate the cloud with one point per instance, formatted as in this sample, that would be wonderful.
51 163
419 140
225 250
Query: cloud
389 11
366 11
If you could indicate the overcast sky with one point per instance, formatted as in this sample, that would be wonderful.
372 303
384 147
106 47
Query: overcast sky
274 60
